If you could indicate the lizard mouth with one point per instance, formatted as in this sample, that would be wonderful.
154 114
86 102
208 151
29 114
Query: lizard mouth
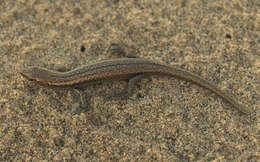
27 73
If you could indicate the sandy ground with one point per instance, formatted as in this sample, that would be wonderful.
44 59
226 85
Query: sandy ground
166 119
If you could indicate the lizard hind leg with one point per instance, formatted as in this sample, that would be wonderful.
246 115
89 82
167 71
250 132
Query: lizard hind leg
128 91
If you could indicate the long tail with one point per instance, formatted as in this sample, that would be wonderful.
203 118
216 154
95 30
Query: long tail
185 75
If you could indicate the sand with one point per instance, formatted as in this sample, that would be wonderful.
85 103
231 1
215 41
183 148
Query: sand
166 119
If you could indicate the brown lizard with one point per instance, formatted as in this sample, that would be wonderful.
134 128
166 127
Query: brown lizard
126 68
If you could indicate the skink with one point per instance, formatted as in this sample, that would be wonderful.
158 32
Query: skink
125 68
